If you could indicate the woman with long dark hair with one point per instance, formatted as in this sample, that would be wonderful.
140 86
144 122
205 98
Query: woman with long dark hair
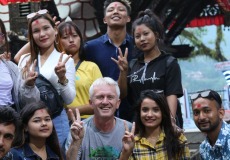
56 67
155 136
154 68
40 138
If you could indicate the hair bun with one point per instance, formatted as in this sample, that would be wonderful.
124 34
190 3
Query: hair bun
148 12
145 14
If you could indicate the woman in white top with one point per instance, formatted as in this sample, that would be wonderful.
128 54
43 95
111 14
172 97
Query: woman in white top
56 67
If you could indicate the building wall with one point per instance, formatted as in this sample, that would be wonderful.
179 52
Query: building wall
80 11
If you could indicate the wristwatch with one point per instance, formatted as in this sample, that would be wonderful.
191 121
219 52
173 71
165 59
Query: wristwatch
64 83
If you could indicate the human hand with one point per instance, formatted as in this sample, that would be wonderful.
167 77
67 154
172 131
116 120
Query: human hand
128 139
76 129
56 22
60 69
177 129
29 75
6 56
122 60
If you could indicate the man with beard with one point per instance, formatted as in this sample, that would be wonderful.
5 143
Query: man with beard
9 131
208 114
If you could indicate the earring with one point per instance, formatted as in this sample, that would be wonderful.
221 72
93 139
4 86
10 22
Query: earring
158 40
56 39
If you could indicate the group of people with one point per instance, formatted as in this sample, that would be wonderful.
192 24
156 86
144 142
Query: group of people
105 84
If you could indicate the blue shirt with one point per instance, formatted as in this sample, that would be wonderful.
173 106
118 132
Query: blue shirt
221 149
8 156
26 153
100 51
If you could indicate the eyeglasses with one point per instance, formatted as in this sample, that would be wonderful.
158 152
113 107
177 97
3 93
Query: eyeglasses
206 94
153 90
2 36
31 15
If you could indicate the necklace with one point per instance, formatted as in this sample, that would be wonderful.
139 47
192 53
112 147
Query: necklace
153 140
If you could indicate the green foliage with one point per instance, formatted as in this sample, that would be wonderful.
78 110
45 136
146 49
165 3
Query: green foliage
199 73
194 37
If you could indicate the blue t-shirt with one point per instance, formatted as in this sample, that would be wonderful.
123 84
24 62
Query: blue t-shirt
221 149
100 51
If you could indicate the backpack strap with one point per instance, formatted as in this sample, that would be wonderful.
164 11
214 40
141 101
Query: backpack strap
36 67
132 62
78 64
169 60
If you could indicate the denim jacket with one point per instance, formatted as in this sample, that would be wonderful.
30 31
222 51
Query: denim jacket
26 153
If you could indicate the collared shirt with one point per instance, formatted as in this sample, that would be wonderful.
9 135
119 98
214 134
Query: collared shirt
221 149
8 156
101 50
144 150
26 153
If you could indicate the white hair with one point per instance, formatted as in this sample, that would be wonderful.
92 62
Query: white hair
104 81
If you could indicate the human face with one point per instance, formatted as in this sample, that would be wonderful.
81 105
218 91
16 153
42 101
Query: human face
40 124
43 33
70 40
116 15
206 114
6 138
145 38
150 114
105 101
2 38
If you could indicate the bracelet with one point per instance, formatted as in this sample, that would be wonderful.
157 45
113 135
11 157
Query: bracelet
173 118
64 83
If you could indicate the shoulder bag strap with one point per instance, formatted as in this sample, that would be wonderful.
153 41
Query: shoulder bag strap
131 63
37 67
78 64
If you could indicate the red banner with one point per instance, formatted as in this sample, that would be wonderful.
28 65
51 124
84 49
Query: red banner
206 21
5 2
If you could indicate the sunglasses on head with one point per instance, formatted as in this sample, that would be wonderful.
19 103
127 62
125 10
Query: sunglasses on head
206 94
31 15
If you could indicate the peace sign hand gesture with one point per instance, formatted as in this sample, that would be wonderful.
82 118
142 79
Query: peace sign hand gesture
29 75
122 60
128 139
77 129
60 69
